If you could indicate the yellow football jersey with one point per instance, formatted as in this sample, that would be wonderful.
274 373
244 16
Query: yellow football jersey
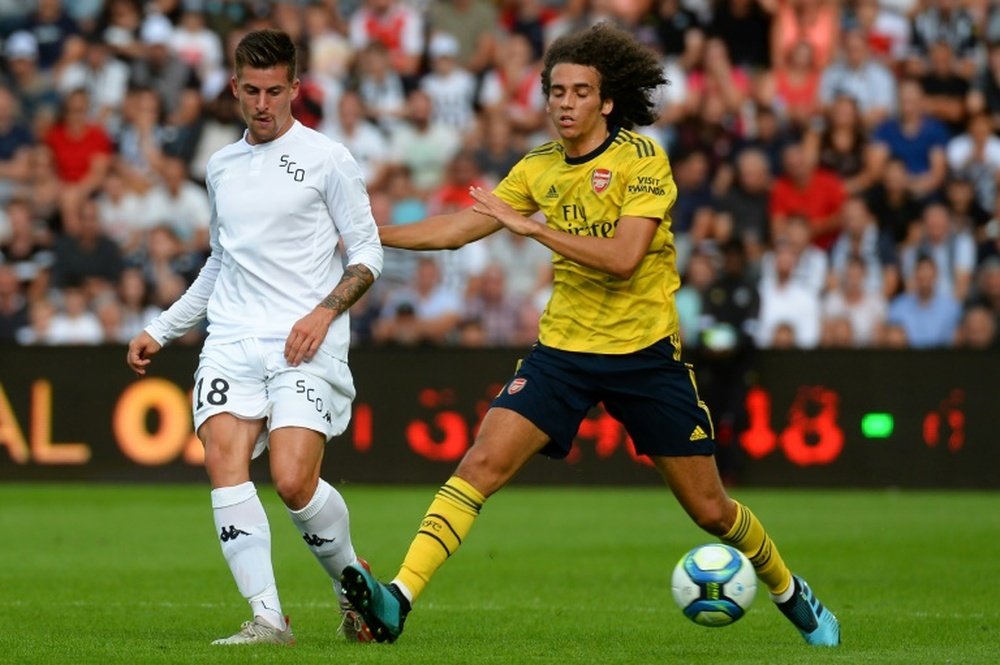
629 175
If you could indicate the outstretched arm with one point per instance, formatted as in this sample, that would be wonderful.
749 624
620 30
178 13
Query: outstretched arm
449 231
310 331
617 256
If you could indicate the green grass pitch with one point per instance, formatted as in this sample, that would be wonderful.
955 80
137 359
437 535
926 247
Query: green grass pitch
130 574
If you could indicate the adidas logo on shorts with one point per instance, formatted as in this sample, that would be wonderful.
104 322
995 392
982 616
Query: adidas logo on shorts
698 434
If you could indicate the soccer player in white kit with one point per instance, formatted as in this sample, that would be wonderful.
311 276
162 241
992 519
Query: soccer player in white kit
273 371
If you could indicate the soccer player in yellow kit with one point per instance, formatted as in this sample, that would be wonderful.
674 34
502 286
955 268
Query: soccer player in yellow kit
609 333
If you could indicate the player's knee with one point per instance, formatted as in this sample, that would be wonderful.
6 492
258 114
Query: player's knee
485 472
295 489
713 517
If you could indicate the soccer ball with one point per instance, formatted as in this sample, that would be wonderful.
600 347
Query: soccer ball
714 584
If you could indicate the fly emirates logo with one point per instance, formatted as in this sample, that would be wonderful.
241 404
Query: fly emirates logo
575 217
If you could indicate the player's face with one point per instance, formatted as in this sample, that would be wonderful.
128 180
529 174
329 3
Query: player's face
576 109
265 97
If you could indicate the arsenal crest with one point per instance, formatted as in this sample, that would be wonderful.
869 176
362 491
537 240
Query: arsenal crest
516 385
600 179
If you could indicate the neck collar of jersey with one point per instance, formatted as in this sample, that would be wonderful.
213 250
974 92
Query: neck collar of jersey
273 142
596 151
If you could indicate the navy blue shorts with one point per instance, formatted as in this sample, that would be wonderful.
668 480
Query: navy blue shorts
649 391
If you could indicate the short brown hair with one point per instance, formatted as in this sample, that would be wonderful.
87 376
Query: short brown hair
264 49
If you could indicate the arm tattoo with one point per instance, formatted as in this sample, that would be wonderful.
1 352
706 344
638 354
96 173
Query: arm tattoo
356 280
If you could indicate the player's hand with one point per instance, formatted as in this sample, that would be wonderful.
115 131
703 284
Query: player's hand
488 203
306 336
140 349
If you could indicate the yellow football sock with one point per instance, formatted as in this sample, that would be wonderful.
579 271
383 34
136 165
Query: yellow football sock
447 522
749 537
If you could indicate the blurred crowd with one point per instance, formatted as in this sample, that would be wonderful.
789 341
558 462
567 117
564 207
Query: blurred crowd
837 161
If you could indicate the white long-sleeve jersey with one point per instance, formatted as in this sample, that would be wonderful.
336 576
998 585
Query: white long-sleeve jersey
279 210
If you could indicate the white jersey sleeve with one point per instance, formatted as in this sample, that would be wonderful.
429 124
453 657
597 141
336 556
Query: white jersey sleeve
191 308
347 200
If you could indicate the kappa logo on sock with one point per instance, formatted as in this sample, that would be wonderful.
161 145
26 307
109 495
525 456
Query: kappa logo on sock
231 533
315 540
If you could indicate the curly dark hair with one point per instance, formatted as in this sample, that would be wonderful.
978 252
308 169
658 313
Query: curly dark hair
263 49
629 71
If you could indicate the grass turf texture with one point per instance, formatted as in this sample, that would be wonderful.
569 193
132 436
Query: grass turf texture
128 574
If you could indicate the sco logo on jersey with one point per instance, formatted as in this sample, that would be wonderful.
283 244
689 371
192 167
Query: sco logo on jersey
298 174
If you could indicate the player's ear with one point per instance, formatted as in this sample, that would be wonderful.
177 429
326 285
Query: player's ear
295 88
234 86
606 106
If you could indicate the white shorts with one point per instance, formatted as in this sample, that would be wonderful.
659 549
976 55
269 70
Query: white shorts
250 379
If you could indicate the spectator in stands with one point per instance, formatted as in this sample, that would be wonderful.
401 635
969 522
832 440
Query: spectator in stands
451 88
453 194
73 322
975 155
978 330
103 76
142 141
527 265
41 312
714 75
380 87
13 305
861 240
167 268
987 290
174 81
985 94
473 23
892 204
37 97
15 144
365 142
953 252
797 85
945 91
927 314
137 310
811 263
742 212
124 214
813 193
512 88
426 312
963 208
82 154
853 301
862 78
916 139
494 310
943 21
426 148
397 26
690 299
108 311
89 257
57 34
200 48
816 22
787 306
886 31
499 149
121 21
26 249
180 204
745 27
838 142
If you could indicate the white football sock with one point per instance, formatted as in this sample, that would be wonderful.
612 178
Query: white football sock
326 528
242 528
